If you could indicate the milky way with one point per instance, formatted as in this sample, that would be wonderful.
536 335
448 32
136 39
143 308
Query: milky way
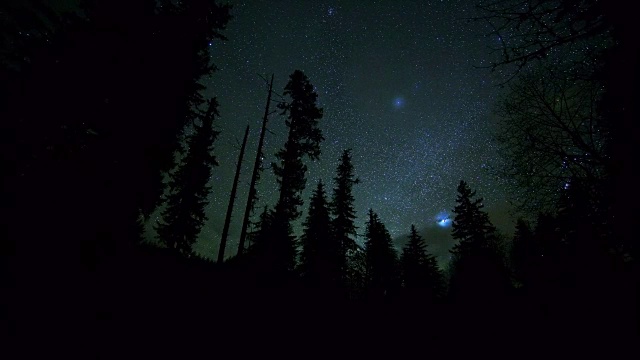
399 84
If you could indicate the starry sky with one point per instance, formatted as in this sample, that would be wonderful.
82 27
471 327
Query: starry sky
399 83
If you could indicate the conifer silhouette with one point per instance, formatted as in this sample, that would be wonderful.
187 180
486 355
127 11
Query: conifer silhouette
344 214
303 141
479 275
421 276
320 256
184 215
382 267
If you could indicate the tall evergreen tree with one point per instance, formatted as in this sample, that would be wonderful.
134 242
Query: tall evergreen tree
184 215
479 273
258 237
356 274
420 273
303 140
101 139
131 75
523 252
381 258
319 260
344 214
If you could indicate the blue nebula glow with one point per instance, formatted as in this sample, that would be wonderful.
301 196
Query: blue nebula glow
443 220
398 102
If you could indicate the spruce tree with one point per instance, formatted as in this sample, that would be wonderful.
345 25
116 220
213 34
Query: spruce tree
471 226
421 276
184 214
479 273
258 237
344 214
523 252
381 258
303 140
319 260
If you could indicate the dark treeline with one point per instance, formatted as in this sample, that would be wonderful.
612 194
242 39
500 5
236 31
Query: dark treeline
99 107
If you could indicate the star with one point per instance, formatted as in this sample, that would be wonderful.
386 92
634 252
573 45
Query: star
398 102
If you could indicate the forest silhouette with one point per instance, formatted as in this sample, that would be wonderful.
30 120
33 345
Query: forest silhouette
104 121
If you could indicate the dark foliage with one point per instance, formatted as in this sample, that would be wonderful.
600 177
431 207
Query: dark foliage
321 258
303 141
95 104
344 214
479 275
422 279
184 215
381 260
523 252
94 133
530 32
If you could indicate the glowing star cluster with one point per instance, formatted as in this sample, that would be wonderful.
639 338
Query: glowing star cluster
443 219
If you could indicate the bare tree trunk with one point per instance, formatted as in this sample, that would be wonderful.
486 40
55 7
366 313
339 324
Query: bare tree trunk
256 173
227 221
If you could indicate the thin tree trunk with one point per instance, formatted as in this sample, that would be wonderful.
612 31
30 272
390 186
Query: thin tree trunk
256 172
227 221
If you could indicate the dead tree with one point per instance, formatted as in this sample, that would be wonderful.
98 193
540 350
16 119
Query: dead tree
232 198
256 172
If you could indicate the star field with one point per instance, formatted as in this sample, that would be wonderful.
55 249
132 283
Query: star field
399 84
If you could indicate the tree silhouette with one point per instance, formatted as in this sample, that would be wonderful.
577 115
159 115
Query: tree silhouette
259 250
550 131
343 211
381 259
255 175
184 215
320 258
523 252
356 274
232 198
479 275
303 140
421 276
114 87
259 237
98 134
527 33
587 44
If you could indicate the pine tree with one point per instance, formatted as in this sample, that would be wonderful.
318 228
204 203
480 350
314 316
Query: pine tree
343 211
319 260
421 276
131 75
479 273
471 225
303 140
184 215
381 258
356 274
258 237
523 252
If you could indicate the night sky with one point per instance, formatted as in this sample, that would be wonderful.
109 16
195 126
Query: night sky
399 84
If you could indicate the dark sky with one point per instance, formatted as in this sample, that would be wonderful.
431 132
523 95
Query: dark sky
398 85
